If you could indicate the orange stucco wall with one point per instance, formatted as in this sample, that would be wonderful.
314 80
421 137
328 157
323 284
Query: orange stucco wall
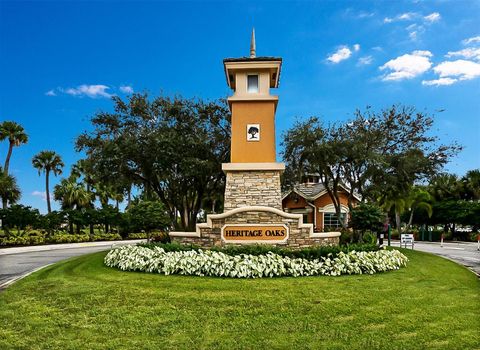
320 202
248 112
300 203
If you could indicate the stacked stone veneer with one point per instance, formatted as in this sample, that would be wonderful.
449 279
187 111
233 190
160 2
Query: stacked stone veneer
254 197
300 235
256 187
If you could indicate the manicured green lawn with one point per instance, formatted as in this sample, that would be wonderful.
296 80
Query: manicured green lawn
81 304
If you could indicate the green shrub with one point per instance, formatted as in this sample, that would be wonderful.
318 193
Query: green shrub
370 238
160 237
139 235
310 253
107 237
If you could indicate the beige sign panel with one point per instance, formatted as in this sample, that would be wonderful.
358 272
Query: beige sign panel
254 233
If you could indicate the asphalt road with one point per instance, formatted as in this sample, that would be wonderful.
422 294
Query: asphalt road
464 253
17 262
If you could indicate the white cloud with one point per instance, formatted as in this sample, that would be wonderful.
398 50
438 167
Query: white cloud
451 72
469 52
412 16
41 194
461 69
407 16
407 66
433 17
356 47
126 89
341 54
438 82
422 53
92 91
472 40
351 13
413 35
363 61
51 93
365 14
411 26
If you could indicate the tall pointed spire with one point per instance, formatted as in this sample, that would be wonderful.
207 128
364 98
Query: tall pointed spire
252 45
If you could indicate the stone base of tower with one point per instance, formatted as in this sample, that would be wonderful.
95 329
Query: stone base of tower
253 203
252 187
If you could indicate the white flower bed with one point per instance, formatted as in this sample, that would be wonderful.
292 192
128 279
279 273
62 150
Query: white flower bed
210 263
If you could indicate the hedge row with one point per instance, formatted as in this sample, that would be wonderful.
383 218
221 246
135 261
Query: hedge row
310 253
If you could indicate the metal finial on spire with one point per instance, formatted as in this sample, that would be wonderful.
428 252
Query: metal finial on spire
252 44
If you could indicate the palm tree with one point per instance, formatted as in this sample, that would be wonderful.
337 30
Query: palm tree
72 195
419 198
104 193
445 186
9 190
15 134
471 185
48 161
398 203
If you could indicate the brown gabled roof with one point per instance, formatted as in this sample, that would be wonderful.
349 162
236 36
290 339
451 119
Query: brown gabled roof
311 191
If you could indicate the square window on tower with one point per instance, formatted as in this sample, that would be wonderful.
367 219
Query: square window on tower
252 83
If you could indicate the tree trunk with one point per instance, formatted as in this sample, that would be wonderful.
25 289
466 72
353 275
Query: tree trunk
7 160
47 192
398 222
129 196
409 221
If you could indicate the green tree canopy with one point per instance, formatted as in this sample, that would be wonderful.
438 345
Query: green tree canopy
148 216
172 148
378 155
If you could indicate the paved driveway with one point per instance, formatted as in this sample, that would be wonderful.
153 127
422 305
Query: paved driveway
464 253
17 262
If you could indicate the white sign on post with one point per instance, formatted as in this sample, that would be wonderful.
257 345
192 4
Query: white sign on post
407 238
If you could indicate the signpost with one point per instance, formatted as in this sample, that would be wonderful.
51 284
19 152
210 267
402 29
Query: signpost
407 238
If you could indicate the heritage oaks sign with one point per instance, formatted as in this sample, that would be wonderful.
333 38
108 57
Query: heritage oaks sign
244 233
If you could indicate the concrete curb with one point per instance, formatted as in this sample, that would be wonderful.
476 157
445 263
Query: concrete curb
40 248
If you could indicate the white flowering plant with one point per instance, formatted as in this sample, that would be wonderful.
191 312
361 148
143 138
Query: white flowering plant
214 263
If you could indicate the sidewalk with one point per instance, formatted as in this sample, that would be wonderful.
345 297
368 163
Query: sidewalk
41 248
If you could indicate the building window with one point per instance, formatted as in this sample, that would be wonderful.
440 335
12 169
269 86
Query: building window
252 83
330 220
305 218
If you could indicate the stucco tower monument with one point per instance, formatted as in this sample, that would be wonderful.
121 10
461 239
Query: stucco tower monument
253 175
252 207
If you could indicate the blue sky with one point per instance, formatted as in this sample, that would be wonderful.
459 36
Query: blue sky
60 61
